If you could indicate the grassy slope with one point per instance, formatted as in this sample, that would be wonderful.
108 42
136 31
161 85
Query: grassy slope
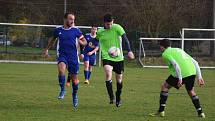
28 93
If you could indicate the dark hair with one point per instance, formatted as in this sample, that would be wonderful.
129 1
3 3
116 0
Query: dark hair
93 25
68 13
165 43
108 17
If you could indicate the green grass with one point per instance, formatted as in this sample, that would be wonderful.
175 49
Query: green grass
25 54
28 93
26 50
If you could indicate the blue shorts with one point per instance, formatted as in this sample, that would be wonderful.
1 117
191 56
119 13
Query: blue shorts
71 63
91 59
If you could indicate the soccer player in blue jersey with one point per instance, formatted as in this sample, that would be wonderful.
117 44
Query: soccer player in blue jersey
88 53
69 37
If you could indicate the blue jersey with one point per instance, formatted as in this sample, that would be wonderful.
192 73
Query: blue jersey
68 41
92 43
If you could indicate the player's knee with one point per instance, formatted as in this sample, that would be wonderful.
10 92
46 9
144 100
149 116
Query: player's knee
61 71
191 93
164 87
90 68
119 77
76 81
108 76
86 67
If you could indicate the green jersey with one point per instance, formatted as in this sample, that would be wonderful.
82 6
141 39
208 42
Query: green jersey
182 59
111 38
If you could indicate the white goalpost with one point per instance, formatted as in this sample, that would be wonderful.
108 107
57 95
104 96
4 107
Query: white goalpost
199 47
27 38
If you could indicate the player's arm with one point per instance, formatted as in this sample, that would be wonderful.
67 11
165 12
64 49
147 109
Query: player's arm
51 42
178 71
127 46
94 50
198 73
82 41
125 40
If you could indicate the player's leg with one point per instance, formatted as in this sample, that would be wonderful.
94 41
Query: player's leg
165 87
108 74
73 69
189 84
68 80
90 71
86 69
75 84
61 78
119 89
86 72
118 68
163 96
92 62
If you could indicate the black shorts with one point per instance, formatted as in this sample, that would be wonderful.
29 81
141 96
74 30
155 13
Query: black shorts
187 81
118 67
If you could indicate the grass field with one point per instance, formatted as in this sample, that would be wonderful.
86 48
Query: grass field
28 93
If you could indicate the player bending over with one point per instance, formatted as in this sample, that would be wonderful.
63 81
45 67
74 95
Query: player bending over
110 40
183 69
89 54
69 37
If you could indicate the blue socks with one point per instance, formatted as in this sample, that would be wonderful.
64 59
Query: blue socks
62 80
74 88
87 74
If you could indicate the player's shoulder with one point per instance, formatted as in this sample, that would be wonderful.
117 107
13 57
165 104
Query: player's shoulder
59 28
167 51
100 30
116 25
87 34
75 28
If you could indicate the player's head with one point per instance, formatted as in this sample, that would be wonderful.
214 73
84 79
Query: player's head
69 19
165 43
108 21
94 29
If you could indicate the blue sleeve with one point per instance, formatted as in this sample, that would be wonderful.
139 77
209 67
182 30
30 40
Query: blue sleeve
127 43
55 34
79 33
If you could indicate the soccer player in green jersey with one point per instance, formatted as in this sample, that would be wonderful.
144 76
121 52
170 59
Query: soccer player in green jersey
183 69
113 35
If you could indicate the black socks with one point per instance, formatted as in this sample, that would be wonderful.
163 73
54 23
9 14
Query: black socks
118 91
196 103
163 99
110 89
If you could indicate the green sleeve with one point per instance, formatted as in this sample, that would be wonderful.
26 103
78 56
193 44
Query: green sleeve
120 30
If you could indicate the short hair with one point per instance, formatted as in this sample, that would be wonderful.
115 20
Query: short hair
165 43
68 13
108 17
93 25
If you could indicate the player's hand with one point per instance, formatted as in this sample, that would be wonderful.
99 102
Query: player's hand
81 56
180 83
201 82
131 55
89 53
46 53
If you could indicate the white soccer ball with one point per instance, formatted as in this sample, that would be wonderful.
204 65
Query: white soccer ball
114 51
